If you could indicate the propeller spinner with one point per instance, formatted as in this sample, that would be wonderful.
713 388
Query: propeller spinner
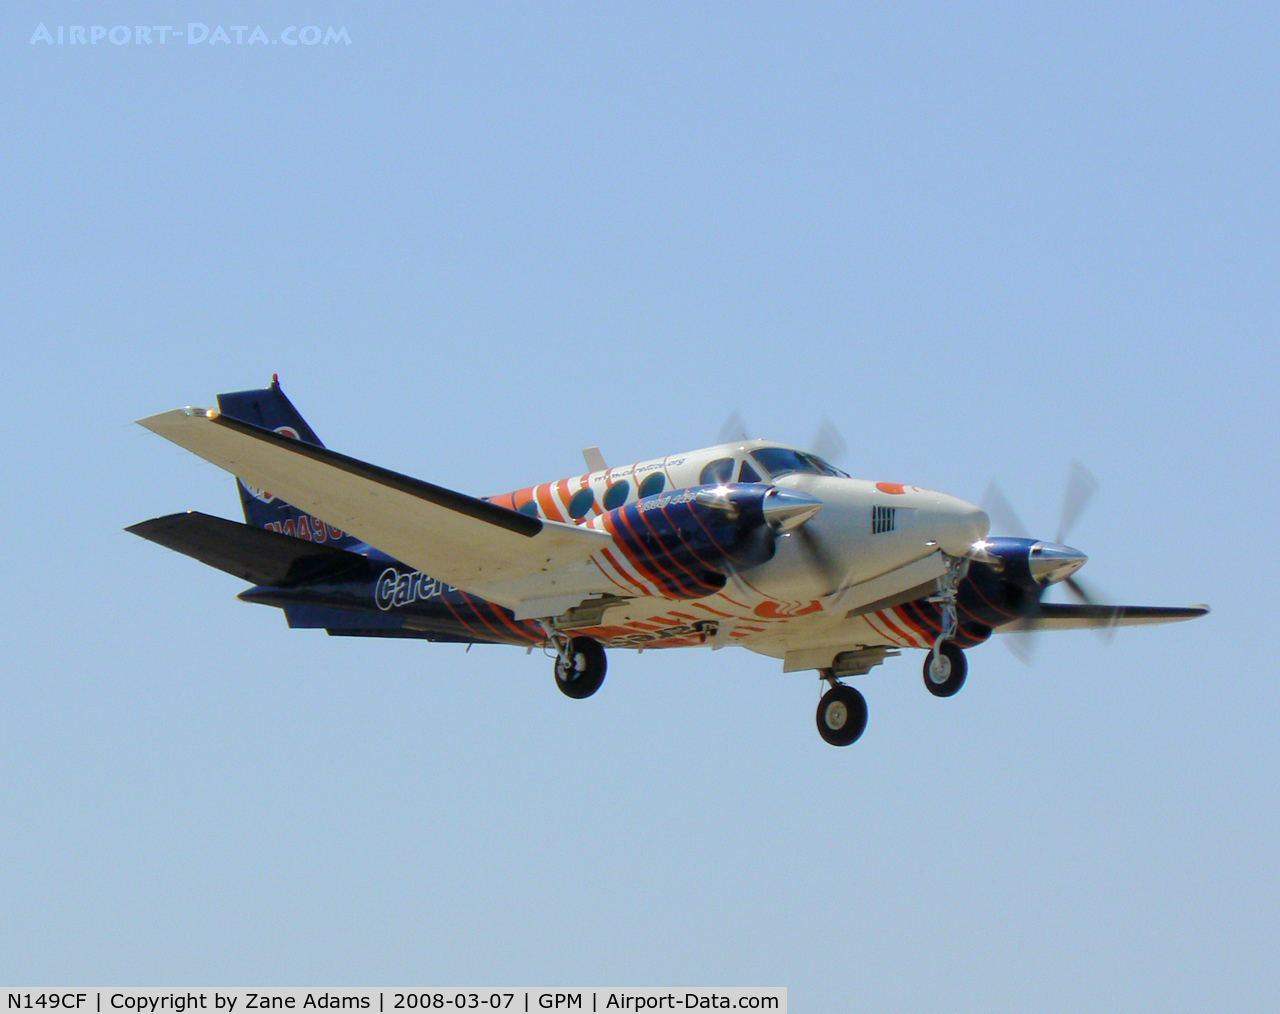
1049 562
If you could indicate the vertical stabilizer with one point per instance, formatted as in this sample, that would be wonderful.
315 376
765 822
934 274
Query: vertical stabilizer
270 409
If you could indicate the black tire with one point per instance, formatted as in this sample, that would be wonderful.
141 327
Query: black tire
585 672
953 680
842 715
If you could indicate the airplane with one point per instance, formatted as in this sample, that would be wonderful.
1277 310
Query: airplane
750 543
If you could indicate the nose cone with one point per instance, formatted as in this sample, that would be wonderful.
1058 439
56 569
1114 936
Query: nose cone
1050 562
954 524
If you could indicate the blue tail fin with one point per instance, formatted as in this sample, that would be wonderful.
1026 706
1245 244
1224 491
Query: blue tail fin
271 410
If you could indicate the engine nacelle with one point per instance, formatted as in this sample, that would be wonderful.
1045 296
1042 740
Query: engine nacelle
687 541
1033 562
1013 581
1010 560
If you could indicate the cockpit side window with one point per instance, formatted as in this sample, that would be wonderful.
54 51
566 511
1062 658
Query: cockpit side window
779 461
718 471
748 474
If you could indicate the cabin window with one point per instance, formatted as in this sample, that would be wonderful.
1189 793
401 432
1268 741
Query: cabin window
530 508
652 484
616 495
748 474
718 472
581 504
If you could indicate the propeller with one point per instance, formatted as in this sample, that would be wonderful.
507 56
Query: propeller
1080 488
828 565
1081 485
733 428
1088 598
826 442
1022 645
1002 515
785 512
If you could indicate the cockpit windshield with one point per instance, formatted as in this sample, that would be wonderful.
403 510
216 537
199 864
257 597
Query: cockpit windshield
779 461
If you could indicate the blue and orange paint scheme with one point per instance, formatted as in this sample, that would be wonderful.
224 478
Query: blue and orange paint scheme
693 549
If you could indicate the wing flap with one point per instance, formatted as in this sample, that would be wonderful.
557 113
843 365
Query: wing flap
464 541
1066 616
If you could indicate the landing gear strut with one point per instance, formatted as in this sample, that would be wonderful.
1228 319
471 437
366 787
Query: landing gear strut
580 666
842 714
946 667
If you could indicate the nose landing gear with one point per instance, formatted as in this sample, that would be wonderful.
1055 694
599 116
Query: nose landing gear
945 670
842 714
946 667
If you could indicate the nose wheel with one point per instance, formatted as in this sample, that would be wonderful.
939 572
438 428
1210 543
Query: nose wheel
842 715
946 668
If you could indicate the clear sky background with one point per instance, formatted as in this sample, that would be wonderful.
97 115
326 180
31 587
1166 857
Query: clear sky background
985 241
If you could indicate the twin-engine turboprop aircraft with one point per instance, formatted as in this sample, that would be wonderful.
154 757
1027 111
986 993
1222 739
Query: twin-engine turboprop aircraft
750 543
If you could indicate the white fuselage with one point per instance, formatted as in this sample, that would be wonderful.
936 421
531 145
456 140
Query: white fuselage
870 541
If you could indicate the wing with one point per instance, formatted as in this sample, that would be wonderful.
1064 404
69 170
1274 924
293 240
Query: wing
472 544
1065 616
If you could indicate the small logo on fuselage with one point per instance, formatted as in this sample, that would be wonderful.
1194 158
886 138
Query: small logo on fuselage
663 502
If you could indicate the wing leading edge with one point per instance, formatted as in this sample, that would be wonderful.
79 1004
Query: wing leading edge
467 542
1066 616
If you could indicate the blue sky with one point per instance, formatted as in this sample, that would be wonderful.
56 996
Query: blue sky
984 240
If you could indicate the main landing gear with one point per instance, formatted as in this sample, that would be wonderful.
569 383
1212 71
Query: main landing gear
842 714
580 666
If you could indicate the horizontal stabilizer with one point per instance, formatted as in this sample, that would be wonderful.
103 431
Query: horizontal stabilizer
253 554
461 540
1067 616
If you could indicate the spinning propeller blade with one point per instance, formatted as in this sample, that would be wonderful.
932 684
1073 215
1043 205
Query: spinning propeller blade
1003 517
1081 485
827 443
826 563
1022 645
732 429
1083 595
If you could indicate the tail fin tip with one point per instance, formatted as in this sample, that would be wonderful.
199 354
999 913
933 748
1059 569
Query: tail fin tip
271 409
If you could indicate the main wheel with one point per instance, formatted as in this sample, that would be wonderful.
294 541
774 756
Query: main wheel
944 674
581 670
842 715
